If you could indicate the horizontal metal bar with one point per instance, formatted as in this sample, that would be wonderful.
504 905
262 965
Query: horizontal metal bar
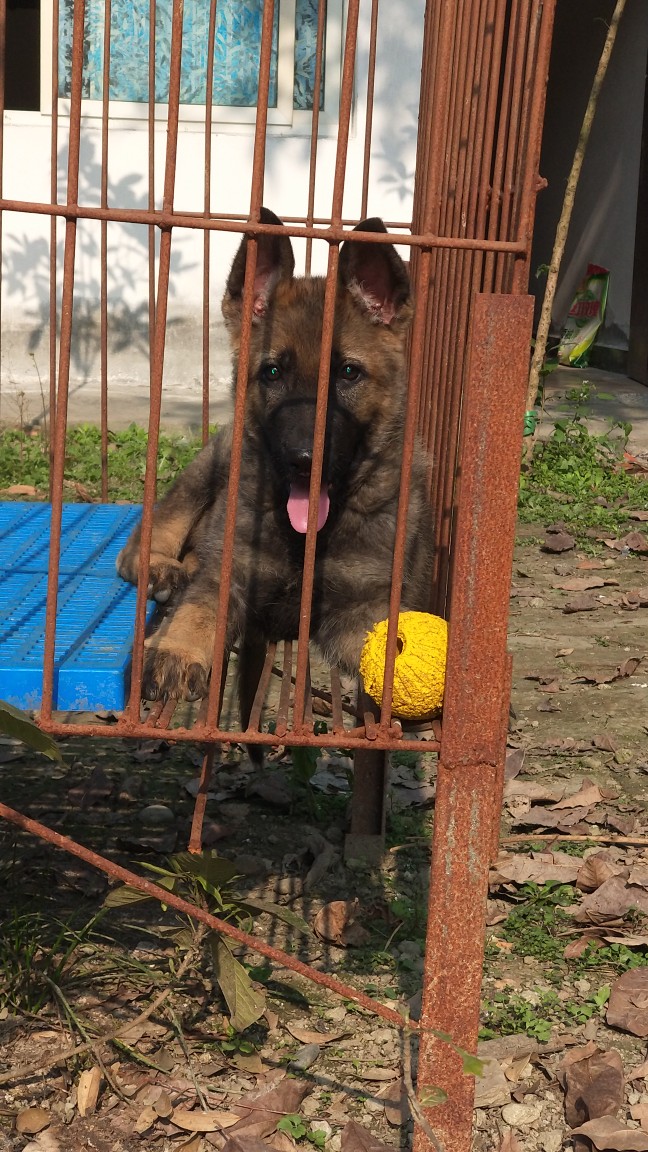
333 235
392 739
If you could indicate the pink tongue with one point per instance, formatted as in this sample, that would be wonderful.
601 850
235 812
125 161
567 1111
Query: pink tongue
298 507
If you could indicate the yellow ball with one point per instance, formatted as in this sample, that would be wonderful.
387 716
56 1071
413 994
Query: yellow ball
419 670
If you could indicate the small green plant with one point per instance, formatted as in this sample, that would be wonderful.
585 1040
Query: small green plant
509 1012
37 956
208 881
533 927
294 1126
576 476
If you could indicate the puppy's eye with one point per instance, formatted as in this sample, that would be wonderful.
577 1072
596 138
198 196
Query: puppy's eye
270 374
350 373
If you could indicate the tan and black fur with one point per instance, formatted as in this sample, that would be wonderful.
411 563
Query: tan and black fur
361 478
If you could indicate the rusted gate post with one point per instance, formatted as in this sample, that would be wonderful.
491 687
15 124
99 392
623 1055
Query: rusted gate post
469 784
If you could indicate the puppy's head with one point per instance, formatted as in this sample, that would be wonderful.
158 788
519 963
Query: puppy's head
366 370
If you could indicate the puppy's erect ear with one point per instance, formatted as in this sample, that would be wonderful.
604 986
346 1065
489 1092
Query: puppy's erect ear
275 262
376 276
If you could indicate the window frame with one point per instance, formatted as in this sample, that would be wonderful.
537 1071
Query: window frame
228 117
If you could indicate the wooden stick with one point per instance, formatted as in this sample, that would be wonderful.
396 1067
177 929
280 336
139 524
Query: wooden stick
633 841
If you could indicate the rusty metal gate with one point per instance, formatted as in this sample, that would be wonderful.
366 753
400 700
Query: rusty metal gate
483 77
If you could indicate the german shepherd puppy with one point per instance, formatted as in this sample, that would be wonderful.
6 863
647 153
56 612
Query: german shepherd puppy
358 499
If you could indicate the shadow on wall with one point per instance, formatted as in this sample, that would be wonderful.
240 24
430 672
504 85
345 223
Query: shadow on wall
26 273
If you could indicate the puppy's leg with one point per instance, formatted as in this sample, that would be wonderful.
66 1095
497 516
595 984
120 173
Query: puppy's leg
178 656
176 519
252 654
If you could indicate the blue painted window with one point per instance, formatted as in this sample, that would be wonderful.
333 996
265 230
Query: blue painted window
236 51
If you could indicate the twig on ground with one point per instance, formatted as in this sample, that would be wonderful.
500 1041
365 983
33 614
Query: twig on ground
415 1107
632 841
181 1040
93 1045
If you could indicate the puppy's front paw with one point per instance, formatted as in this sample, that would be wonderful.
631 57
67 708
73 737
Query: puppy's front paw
171 672
167 577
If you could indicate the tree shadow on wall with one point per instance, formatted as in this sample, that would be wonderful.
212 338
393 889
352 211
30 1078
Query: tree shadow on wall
27 276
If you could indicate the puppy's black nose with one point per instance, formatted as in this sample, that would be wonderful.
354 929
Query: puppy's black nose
300 461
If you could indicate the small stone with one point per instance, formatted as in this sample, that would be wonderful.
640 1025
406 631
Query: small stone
309 1106
156 814
322 1126
373 1106
591 762
622 756
410 948
305 1057
517 1115
551 1140
583 986
381 1035
336 1014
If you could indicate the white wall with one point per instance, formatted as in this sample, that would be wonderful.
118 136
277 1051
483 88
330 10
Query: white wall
603 225
25 291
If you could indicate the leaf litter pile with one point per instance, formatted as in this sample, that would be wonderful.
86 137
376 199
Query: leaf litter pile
123 1027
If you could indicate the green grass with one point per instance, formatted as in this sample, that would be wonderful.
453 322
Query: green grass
577 477
24 459
508 1012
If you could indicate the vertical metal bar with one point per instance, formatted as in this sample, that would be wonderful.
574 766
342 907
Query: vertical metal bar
53 309
157 358
104 256
312 163
151 181
471 743
371 83
256 199
200 806
545 15
346 95
209 98
67 304
3 50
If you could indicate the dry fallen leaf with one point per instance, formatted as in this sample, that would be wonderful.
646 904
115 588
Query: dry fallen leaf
640 1112
308 1036
394 1097
536 868
582 602
29 1121
19 490
378 1074
557 541
510 1142
491 1088
355 1138
588 793
337 923
598 868
580 584
198 1121
594 1086
606 1132
258 1112
146 1119
628 1004
611 901
88 1090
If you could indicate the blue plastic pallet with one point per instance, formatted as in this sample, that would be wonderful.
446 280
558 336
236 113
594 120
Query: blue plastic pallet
96 608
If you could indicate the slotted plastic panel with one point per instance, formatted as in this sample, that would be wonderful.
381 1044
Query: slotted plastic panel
96 609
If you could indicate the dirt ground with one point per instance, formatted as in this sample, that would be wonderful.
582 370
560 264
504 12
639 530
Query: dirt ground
181 1079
